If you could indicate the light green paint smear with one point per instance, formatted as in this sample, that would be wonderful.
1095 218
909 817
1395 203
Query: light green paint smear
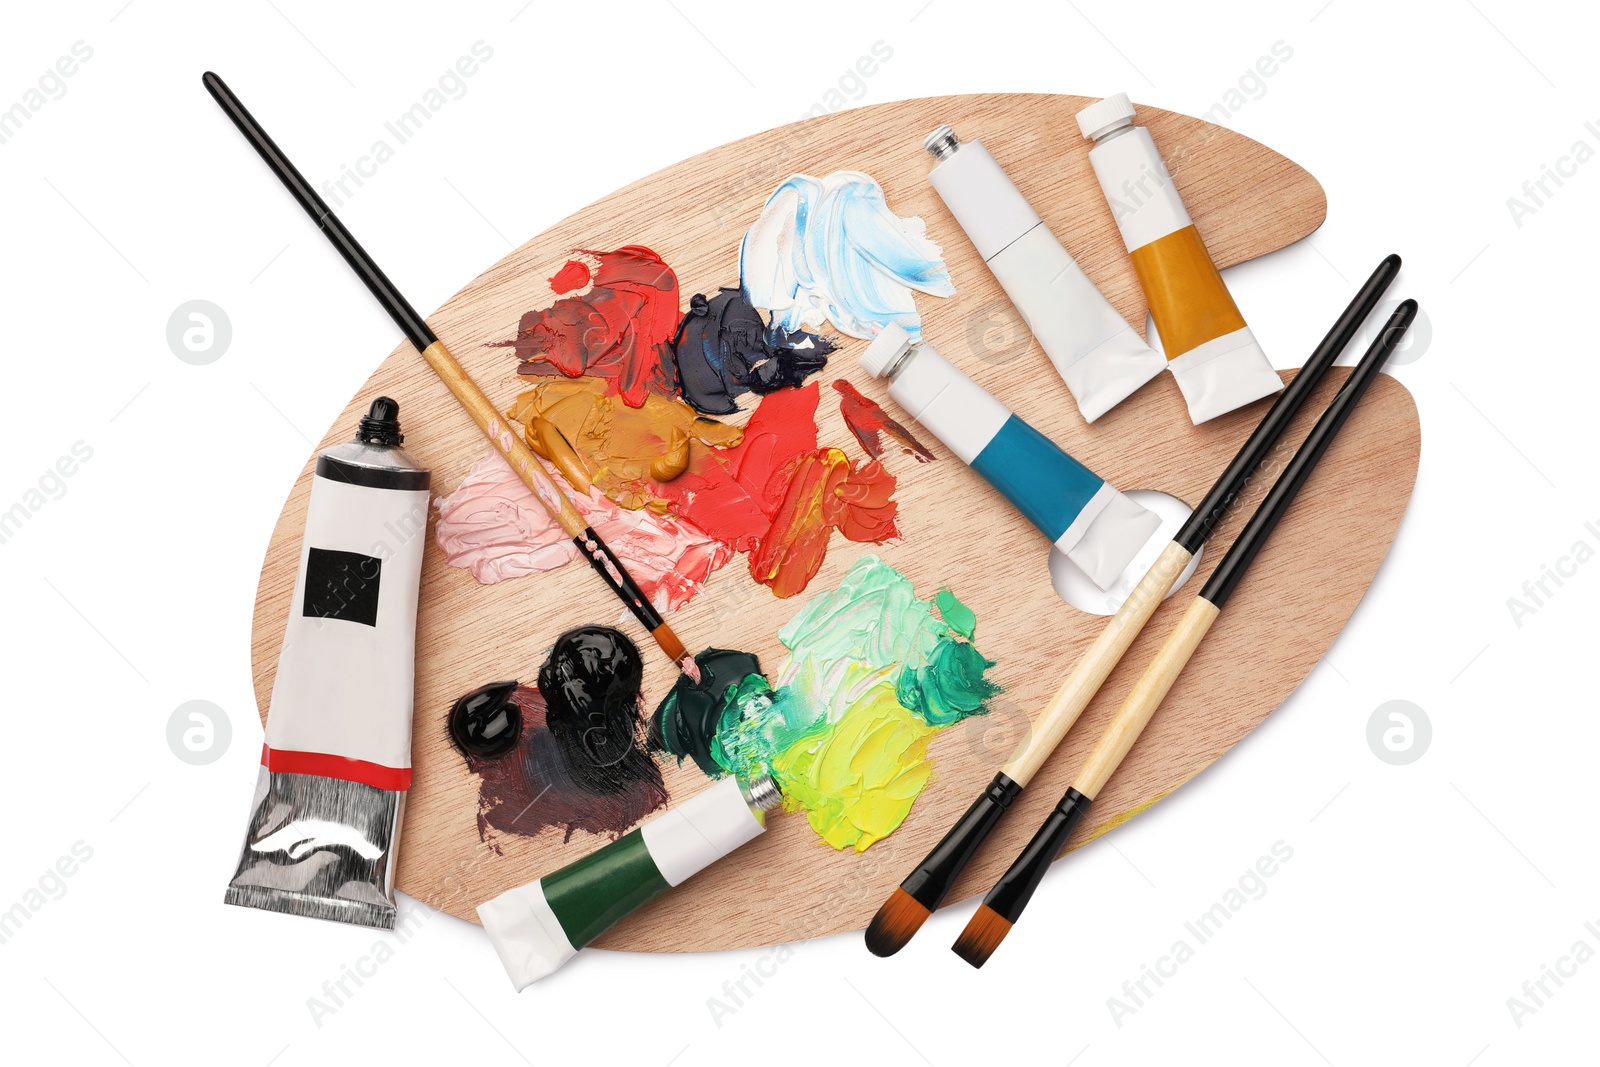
872 675
956 615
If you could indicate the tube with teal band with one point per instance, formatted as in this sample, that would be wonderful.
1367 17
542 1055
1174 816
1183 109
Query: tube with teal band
1097 527
538 927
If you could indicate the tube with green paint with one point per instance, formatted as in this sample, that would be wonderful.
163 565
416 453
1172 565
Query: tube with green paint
538 927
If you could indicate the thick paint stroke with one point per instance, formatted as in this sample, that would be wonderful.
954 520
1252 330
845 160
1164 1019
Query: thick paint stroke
779 497
495 528
593 438
725 350
591 686
830 250
871 676
811 496
869 422
620 330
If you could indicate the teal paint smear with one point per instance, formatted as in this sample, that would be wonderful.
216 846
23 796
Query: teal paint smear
872 674
950 687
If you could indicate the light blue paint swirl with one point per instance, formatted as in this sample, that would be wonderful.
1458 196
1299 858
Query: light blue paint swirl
830 250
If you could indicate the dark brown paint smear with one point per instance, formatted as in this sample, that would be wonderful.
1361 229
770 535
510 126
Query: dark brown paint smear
532 788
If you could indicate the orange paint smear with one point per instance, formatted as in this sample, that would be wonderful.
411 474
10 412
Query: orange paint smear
1188 300
815 494
594 438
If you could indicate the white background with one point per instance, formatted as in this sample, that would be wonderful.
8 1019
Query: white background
1418 899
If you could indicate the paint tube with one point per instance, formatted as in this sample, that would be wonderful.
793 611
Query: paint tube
1213 355
1100 357
538 927
1097 527
325 821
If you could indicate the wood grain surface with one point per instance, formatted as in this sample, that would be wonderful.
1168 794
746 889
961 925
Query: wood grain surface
787 885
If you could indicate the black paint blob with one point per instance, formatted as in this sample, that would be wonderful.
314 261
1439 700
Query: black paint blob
591 688
724 349
486 722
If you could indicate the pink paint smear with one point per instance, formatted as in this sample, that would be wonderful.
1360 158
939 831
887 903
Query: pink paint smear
493 527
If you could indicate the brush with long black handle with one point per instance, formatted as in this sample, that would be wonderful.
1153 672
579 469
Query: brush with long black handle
909 906
500 432
1000 909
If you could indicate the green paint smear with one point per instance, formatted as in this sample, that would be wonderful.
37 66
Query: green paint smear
871 676
957 615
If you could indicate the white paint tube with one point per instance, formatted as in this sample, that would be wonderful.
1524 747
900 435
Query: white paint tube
1100 357
325 821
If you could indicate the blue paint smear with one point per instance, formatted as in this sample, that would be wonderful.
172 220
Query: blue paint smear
831 250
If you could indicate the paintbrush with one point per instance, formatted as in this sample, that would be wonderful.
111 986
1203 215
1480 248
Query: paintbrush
495 427
1004 903
909 906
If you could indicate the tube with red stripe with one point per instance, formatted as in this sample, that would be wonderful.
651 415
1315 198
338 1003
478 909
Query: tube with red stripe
325 823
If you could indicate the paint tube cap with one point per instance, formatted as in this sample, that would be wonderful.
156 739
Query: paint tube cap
1103 116
885 350
381 424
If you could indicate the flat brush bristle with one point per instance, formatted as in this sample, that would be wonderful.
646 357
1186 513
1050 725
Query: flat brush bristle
896 923
982 936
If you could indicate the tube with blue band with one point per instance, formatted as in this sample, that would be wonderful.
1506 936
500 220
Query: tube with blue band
1097 527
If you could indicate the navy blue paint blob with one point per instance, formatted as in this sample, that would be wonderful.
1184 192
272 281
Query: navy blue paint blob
724 349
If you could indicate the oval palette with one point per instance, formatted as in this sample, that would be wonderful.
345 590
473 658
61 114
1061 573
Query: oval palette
956 532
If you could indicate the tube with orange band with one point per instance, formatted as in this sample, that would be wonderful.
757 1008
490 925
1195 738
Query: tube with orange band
1211 352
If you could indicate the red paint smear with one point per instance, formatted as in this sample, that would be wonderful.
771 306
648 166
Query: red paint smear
779 497
814 495
620 330
722 491
574 274
869 422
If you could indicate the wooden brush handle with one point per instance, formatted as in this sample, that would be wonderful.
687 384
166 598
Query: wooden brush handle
1096 664
503 434
1145 697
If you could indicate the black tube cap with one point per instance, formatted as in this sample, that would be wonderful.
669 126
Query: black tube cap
381 424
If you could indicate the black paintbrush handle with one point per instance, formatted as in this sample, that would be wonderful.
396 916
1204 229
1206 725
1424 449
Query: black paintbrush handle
1226 577
610 569
405 316
1277 419
1015 888
934 876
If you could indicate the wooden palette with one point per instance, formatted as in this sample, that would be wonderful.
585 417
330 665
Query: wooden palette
1247 201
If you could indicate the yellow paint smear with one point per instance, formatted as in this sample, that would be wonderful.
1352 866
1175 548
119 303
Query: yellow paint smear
857 780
